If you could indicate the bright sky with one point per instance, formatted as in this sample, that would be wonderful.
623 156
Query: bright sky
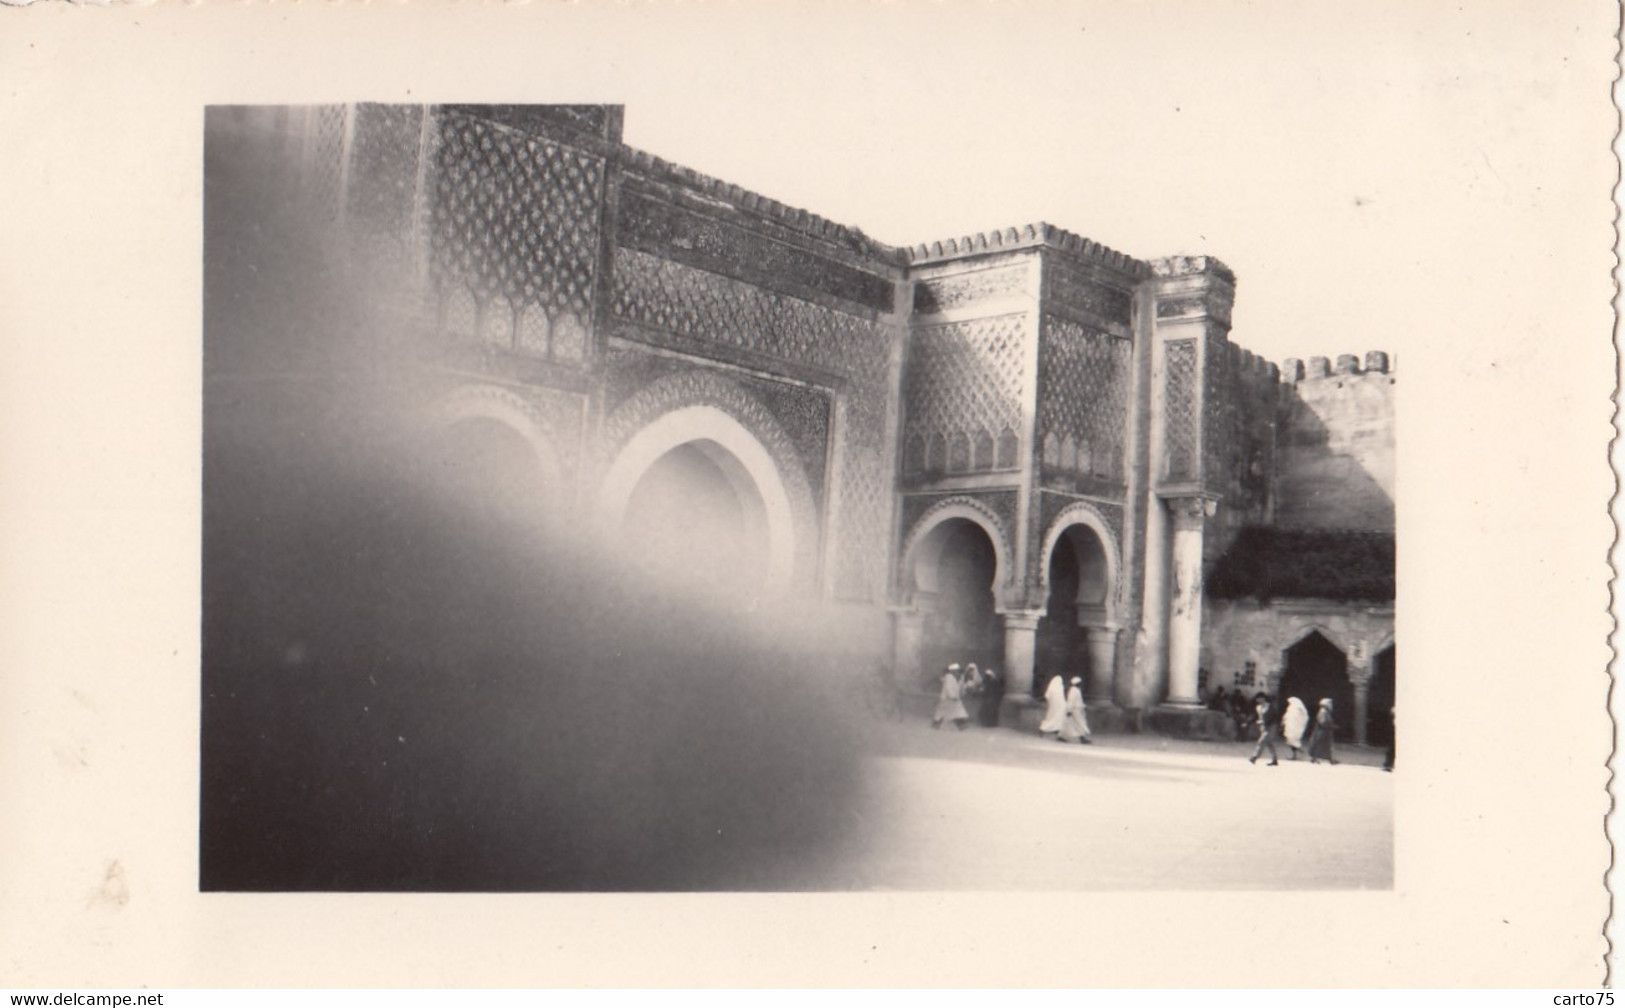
1373 172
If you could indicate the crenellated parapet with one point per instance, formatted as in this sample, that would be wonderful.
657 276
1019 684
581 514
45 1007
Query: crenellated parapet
737 197
1194 288
1335 418
1294 370
1173 266
1035 235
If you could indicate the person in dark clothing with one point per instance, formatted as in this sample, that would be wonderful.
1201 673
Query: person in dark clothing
1241 712
1320 737
987 706
1393 736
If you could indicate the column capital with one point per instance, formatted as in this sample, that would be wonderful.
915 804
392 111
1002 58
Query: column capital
1021 619
1193 288
1190 509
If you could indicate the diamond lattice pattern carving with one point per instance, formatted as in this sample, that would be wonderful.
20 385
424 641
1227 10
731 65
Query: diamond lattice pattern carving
1083 393
1180 409
965 379
324 154
516 215
383 176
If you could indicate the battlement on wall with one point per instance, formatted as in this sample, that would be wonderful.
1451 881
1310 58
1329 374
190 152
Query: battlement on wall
1026 236
1245 363
1189 265
744 199
1294 370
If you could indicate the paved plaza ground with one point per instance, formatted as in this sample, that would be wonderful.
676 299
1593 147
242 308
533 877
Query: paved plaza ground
1003 809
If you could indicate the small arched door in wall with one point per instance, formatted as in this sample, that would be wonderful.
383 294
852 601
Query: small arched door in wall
1314 669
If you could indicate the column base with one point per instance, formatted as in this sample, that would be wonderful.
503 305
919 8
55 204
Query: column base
1191 722
1106 719
1109 719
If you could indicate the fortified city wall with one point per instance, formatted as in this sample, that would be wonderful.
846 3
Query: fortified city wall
1335 466
1241 402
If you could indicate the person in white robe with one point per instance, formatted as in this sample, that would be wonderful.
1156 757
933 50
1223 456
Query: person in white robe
1294 723
949 705
1054 707
1075 725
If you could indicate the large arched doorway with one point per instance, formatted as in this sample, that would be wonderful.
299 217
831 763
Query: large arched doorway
1079 586
1380 699
490 473
696 519
696 495
955 568
1314 669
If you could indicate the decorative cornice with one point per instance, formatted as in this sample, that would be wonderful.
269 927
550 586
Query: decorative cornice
1172 266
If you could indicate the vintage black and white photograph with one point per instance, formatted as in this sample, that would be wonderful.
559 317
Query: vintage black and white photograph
897 494
576 520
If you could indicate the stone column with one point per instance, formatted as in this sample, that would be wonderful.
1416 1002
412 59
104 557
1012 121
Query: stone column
1362 687
1359 673
1020 634
1102 664
1185 619
907 628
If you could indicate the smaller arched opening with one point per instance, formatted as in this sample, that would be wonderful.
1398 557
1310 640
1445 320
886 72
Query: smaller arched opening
1313 669
1079 579
955 575
952 567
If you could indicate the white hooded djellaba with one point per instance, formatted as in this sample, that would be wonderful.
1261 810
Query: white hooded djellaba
1294 722
1054 706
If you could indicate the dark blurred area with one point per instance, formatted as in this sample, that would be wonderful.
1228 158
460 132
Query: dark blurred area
409 683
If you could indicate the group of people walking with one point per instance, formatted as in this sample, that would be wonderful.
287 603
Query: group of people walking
1065 717
1290 726
961 682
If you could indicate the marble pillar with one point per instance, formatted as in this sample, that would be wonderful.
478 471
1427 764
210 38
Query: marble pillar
1020 637
1185 617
